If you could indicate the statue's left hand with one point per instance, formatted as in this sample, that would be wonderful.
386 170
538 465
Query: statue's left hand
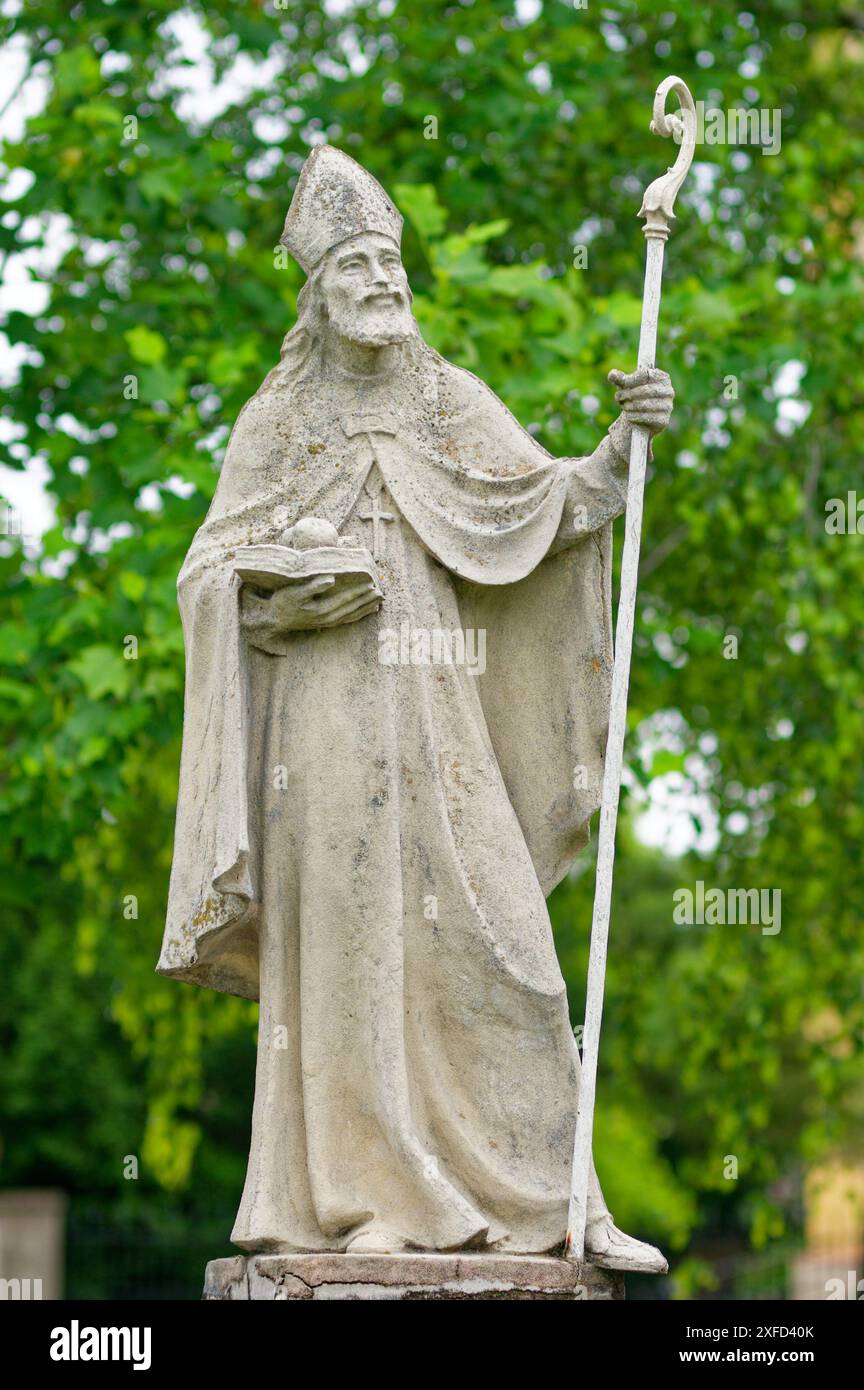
646 397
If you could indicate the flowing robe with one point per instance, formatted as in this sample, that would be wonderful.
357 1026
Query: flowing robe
366 843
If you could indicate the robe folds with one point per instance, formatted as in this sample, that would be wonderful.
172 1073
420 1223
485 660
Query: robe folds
366 844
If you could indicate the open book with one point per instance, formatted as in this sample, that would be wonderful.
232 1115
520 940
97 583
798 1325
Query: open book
272 566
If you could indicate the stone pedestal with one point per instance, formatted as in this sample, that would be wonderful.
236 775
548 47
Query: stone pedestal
409 1277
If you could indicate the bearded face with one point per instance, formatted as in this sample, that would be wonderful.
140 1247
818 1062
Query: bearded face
365 291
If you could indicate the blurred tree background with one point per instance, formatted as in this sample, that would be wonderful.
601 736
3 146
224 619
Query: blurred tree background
145 197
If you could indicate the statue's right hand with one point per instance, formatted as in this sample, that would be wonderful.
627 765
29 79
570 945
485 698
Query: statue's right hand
304 605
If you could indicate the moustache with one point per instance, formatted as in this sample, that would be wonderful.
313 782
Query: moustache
393 298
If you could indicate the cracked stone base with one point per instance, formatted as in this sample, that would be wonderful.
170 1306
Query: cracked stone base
410 1277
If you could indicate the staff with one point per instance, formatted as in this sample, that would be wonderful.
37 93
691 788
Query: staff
657 210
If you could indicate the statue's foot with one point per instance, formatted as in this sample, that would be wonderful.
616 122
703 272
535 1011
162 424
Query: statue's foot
612 1249
375 1240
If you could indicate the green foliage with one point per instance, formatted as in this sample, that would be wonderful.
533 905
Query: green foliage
166 309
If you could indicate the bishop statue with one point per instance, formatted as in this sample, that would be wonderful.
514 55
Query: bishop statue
371 816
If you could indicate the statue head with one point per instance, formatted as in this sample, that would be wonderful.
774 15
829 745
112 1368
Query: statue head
363 291
346 234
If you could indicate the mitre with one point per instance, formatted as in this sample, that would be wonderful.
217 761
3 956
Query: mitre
335 199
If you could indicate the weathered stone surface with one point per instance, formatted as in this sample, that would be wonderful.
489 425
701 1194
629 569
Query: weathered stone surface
408 1277
398 652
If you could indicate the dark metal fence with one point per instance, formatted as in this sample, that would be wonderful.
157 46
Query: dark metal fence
155 1249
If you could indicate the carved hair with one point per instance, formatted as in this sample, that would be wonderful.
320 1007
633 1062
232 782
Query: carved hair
308 330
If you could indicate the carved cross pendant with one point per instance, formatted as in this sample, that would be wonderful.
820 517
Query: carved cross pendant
377 517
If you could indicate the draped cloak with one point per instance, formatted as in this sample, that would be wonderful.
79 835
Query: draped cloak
487 500
523 541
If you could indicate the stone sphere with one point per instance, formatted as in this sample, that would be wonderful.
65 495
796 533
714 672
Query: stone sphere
310 532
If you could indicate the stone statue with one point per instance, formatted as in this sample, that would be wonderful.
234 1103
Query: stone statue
398 638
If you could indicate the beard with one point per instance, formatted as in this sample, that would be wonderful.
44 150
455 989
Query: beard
373 322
